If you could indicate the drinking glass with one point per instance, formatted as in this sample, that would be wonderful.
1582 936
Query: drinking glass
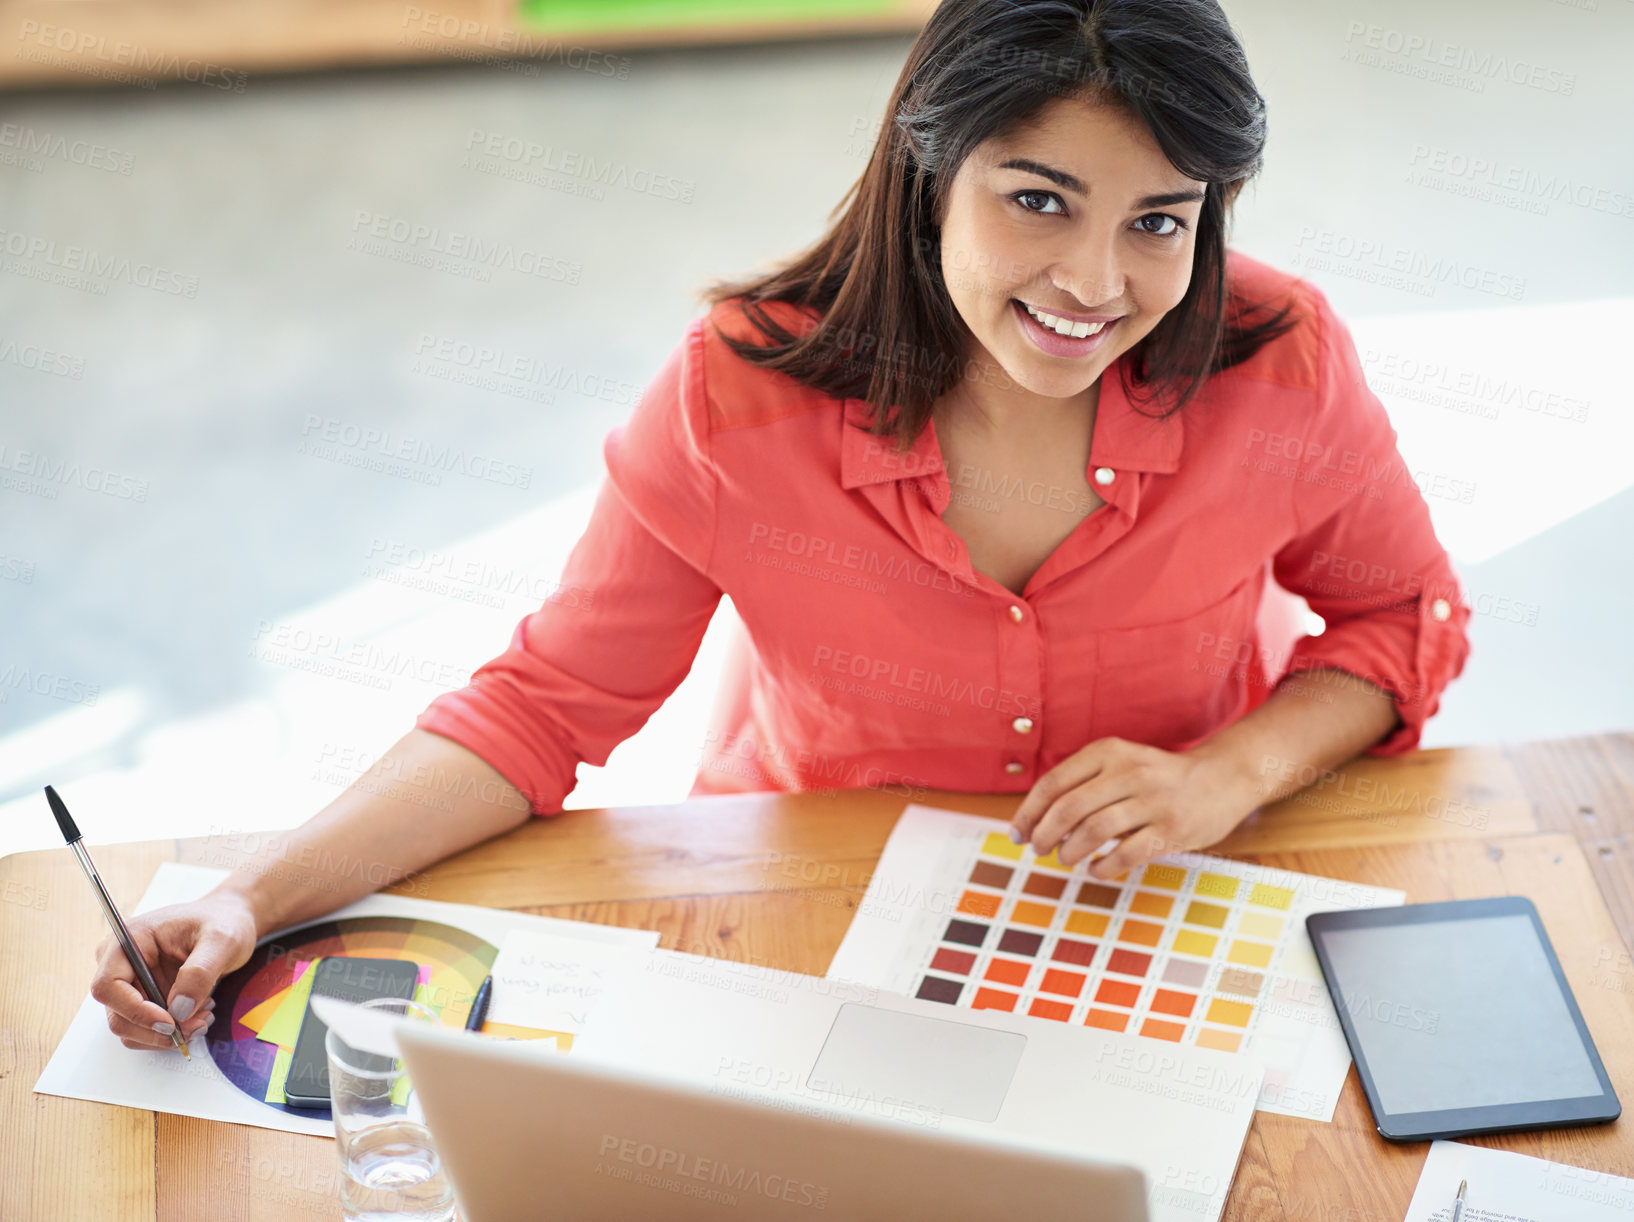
389 1167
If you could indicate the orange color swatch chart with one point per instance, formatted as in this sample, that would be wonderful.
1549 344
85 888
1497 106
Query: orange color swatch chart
1133 957
1190 949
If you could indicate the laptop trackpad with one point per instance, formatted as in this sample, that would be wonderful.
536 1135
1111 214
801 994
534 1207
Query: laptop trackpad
874 1056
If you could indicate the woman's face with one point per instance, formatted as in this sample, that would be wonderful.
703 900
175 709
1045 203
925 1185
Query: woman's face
1078 215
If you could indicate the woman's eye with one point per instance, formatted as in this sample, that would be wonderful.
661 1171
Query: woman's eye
1045 195
1174 225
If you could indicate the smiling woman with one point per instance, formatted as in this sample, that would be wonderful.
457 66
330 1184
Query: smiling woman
994 475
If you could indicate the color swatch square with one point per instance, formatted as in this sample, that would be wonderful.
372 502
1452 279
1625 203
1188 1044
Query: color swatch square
1210 915
1128 962
1117 993
1008 971
1028 913
979 903
1090 924
1250 954
1069 951
1190 942
1267 896
1067 984
994 999
955 962
1229 1013
1221 886
998 844
1141 933
1260 925
1043 1007
1020 942
1168 878
1151 904
934 988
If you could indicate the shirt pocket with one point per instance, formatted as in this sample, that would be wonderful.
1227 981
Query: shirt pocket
1173 683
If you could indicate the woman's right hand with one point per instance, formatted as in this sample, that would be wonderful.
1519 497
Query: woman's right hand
188 947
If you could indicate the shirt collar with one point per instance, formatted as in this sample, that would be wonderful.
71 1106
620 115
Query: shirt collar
1124 439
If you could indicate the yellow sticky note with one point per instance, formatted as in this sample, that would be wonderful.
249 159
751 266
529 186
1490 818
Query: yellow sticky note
285 1024
1267 896
1250 954
278 1074
998 844
1223 886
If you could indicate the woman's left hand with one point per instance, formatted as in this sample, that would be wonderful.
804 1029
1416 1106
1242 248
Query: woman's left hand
1154 801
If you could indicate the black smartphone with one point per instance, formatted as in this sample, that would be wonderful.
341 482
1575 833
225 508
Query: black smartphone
348 979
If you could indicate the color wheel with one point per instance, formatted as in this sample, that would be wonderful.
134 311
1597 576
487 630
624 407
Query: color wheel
264 1000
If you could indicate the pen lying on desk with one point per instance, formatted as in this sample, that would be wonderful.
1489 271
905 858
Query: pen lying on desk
479 1005
144 977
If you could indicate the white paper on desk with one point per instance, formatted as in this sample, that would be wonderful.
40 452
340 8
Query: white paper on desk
746 1031
551 981
91 1063
1294 1031
1506 1187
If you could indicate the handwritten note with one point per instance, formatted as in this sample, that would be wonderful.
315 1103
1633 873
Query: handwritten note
552 982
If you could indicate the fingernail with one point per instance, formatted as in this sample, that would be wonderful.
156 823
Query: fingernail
1015 834
182 1008
164 1028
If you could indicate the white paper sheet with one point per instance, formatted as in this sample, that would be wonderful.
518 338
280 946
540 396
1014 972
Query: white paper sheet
926 869
91 1063
552 981
1506 1187
740 1030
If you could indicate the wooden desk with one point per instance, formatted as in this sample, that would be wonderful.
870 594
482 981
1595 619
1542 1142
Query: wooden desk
773 880
144 44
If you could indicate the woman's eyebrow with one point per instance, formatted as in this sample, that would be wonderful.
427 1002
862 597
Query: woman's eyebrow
1073 183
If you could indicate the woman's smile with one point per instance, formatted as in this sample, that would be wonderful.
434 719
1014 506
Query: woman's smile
1058 335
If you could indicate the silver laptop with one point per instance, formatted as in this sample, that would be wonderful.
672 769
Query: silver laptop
530 1134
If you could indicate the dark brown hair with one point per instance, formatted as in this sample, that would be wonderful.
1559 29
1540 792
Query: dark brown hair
979 69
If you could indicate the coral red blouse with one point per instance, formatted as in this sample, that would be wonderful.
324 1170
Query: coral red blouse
877 655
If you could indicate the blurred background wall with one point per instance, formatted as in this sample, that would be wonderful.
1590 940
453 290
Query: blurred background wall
313 319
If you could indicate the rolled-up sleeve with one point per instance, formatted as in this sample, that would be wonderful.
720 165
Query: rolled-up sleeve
1364 553
585 671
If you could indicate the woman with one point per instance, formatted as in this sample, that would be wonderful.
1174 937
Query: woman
964 558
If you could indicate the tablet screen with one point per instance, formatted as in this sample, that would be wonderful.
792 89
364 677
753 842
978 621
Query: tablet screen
1459 1013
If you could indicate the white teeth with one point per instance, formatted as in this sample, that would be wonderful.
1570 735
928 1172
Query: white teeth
1062 326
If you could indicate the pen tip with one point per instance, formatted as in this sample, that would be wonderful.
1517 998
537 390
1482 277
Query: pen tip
186 1053
65 821
1462 1184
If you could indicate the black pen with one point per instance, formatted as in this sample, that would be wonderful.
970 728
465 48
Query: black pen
70 833
479 1007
